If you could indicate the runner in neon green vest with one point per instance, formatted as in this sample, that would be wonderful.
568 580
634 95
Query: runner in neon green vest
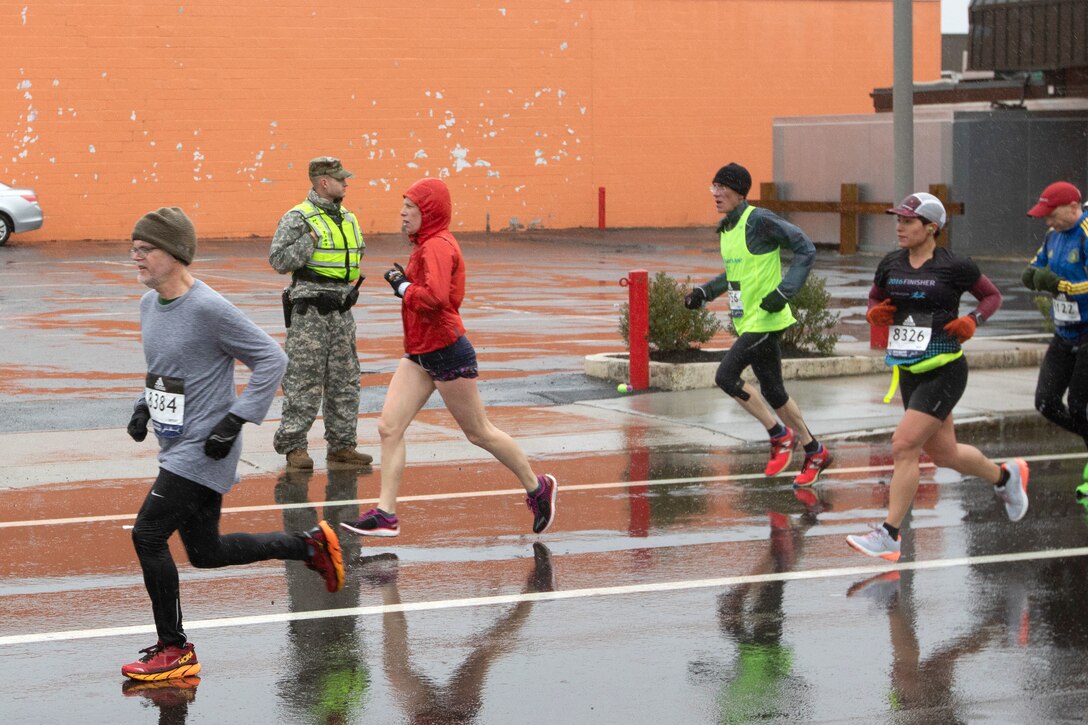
759 294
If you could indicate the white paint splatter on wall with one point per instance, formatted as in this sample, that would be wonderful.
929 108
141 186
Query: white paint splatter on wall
459 156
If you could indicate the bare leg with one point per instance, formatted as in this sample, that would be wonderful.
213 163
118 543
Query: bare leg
757 407
462 398
914 430
968 460
791 416
408 391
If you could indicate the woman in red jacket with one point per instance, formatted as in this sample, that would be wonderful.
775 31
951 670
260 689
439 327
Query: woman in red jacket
439 356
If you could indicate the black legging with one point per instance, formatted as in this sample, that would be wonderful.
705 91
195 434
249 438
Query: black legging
763 352
1065 368
178 504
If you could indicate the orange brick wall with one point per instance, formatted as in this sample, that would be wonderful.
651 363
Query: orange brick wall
109 109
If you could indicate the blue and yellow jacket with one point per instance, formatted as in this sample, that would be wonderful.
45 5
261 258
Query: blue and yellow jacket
1064 254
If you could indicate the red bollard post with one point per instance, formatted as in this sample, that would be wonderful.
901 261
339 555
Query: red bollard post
878 337
637 283
600 208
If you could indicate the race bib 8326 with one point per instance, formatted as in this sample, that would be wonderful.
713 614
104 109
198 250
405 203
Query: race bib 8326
910 336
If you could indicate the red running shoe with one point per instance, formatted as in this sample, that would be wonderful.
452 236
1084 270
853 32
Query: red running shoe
781 451
325 556
160 662
814 464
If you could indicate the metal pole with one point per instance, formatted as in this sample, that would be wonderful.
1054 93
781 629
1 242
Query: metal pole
903 97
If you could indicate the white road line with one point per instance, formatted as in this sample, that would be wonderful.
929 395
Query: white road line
828 474
653 588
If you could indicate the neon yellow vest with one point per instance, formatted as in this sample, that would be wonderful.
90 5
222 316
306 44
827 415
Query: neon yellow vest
757 275
339 247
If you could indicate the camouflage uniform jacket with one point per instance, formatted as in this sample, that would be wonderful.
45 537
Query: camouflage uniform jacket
292 246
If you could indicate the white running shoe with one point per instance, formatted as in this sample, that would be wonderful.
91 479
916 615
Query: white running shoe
876 543
1015 492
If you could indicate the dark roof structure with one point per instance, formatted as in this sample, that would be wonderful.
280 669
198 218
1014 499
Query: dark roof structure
1028 35
1035 49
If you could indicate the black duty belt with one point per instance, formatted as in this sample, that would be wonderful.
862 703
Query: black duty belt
308 275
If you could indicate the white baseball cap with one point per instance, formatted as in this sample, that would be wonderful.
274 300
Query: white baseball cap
924 206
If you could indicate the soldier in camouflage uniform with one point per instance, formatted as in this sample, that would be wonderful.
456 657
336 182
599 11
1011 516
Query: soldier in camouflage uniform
320 244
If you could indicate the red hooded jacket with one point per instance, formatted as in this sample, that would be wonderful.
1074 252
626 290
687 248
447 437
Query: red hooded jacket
436 271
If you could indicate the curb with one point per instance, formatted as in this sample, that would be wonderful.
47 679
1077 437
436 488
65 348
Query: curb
694 376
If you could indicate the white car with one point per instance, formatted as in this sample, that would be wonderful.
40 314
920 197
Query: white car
19 212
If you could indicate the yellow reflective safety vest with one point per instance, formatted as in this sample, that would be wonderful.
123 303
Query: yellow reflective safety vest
339 246
751 278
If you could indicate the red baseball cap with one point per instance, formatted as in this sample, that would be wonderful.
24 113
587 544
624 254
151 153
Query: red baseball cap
1057 194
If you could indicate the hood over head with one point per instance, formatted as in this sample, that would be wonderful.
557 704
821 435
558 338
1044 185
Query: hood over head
432 196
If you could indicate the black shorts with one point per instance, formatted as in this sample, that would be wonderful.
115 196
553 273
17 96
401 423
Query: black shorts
935 392
457 360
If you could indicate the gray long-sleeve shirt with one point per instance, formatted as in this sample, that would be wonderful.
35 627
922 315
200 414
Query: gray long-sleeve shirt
766 232
191 344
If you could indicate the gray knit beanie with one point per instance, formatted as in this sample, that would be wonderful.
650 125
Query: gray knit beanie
170 230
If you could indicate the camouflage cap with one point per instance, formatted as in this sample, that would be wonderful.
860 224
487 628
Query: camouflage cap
328 166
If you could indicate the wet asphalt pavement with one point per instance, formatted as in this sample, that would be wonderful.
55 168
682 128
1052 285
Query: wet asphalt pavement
677 585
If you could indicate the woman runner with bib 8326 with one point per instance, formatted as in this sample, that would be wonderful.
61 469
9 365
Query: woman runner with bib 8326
916 293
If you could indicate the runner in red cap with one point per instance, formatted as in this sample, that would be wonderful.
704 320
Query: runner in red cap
1060 269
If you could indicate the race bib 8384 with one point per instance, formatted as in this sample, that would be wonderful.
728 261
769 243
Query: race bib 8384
165 398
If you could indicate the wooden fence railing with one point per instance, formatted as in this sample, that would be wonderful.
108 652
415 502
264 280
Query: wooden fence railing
849 207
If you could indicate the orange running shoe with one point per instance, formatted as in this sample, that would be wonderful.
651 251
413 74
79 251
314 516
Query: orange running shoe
325 556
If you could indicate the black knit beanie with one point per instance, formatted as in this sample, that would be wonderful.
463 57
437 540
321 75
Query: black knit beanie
736 177
170 230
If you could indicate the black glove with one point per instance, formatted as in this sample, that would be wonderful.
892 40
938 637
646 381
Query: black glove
1046 280
774 302
395 277
223 436
1028 277
695 299
137 425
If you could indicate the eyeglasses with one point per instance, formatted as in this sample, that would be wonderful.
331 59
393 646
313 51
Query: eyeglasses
141 252
717 188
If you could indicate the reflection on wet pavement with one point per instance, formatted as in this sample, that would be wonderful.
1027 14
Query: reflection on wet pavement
677 584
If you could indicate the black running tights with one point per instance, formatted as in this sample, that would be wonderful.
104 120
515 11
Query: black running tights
178 504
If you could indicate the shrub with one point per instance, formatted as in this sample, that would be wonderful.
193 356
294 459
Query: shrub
672 326
1043 303
812 334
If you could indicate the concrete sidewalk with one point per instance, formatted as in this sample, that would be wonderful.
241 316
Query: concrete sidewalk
851 358
834 408
70 380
